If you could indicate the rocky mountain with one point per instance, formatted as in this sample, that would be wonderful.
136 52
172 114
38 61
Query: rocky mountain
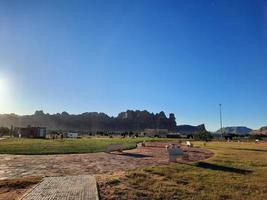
261 131
238 130
94 121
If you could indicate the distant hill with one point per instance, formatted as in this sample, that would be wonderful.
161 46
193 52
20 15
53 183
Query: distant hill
238 130
261 131
94 121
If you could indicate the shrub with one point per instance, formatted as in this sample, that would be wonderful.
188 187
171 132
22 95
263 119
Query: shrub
4 131
204 136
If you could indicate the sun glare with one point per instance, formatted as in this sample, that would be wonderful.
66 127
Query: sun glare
4 95
3 87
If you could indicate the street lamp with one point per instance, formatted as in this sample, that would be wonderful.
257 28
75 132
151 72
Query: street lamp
220 105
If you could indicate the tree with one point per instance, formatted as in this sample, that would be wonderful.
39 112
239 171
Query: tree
204 136
256 136
4 131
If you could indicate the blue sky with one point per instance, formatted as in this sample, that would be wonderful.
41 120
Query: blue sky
180 56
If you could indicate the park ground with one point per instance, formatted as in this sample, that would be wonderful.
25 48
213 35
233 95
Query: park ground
235 171
18 146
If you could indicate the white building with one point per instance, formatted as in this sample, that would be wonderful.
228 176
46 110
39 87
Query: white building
72 135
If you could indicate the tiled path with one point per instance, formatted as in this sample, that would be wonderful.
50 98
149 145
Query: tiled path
13 166
65 188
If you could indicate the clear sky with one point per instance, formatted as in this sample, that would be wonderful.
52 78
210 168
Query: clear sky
179 56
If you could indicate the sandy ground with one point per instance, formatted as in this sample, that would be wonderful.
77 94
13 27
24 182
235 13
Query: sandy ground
13 189
14 166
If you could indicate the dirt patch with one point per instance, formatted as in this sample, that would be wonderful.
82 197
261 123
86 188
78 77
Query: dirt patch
108 183
13 166
21 168
14 188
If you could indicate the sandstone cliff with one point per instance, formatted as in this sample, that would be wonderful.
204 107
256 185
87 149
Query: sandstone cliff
94 121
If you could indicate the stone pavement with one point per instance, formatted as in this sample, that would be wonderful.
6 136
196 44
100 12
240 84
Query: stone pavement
65 188
14 166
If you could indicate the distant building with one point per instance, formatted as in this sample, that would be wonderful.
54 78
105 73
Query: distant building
54 134
162 133
71 135
30 132
176 135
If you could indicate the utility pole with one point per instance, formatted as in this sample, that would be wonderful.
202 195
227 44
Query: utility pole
220 105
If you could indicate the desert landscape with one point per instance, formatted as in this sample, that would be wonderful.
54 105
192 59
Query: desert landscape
133 100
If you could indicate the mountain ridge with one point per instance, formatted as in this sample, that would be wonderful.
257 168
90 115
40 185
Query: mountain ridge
238 130
260 131
130 120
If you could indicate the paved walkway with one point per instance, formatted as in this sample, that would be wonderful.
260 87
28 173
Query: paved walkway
13 166
65 188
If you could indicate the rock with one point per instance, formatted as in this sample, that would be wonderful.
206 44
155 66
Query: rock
93 121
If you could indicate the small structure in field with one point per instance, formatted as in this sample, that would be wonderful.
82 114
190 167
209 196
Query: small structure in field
114 147
30 132
52 134
72 135
174 152
189 144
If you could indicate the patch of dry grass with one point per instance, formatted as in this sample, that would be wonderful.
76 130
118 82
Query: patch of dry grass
12 189
237 171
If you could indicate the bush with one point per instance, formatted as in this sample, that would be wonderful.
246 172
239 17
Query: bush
257 136
4 131
204 136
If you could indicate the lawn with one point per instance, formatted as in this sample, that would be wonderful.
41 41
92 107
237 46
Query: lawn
65 146
237 171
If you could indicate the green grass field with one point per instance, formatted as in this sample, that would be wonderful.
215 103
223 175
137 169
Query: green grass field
237 171
84 145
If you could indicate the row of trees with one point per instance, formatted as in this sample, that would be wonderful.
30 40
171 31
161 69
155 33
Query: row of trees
204 136
207 136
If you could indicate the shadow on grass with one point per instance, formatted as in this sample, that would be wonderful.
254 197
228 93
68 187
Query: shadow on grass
244 149
205 165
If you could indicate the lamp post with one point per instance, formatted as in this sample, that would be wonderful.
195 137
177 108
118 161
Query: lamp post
220 105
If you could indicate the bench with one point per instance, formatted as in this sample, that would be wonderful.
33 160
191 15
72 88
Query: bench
114 147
